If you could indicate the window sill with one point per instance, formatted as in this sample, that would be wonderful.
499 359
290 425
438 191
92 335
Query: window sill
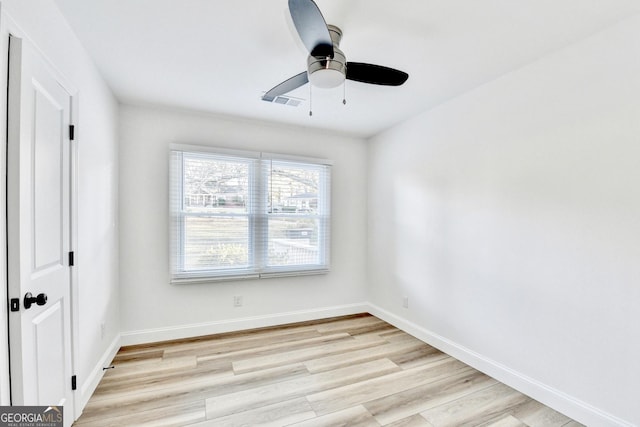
237 277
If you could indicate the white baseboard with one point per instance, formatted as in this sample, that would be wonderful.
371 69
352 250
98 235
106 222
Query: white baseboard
89 385
563 403
232 325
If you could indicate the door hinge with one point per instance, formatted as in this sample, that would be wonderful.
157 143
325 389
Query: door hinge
74 383
72 132
15 304
71 259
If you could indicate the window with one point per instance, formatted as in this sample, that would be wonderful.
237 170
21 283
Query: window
244 215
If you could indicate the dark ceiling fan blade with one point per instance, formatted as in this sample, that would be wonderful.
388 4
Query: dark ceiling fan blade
375 74
286 86
311 27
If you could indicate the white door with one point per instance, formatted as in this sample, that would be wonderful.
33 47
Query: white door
38 217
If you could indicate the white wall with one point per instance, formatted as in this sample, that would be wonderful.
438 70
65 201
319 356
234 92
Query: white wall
510 217
97 169
154 309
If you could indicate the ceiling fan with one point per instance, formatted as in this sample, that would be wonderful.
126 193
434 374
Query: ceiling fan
327 66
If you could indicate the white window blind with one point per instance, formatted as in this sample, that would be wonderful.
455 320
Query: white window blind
247 215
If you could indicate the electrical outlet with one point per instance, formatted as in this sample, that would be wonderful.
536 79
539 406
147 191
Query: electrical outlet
237 301
405 301
102 330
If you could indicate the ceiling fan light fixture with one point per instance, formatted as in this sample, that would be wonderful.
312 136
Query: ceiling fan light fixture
325 72
326 78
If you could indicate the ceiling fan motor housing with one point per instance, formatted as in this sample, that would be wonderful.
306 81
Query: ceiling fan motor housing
326 72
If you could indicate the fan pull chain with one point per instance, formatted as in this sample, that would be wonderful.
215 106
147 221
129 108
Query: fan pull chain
344 93
310 101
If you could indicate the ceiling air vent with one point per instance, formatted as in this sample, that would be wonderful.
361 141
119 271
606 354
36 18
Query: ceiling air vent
284 100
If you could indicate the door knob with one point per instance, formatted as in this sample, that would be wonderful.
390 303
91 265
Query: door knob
29 300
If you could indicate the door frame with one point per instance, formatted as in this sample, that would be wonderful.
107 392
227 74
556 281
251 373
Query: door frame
9 27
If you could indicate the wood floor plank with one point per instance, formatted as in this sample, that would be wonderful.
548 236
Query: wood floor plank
259 396
147 354
274 348
165 376
129 371
412 421
275 415
350 357
535 414
186 383
231 343
168 415
355 416
351 326
353 371
327 349
394 407
505 421
124 402
364 391
417 357
475 408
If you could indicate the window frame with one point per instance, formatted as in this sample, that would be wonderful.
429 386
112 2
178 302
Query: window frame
257 214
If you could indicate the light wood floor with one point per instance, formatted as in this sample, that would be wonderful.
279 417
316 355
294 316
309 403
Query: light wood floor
348 371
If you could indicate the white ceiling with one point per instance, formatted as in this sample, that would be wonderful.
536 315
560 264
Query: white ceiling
219 56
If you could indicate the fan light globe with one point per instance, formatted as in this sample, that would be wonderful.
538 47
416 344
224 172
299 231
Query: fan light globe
324 72
326 78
